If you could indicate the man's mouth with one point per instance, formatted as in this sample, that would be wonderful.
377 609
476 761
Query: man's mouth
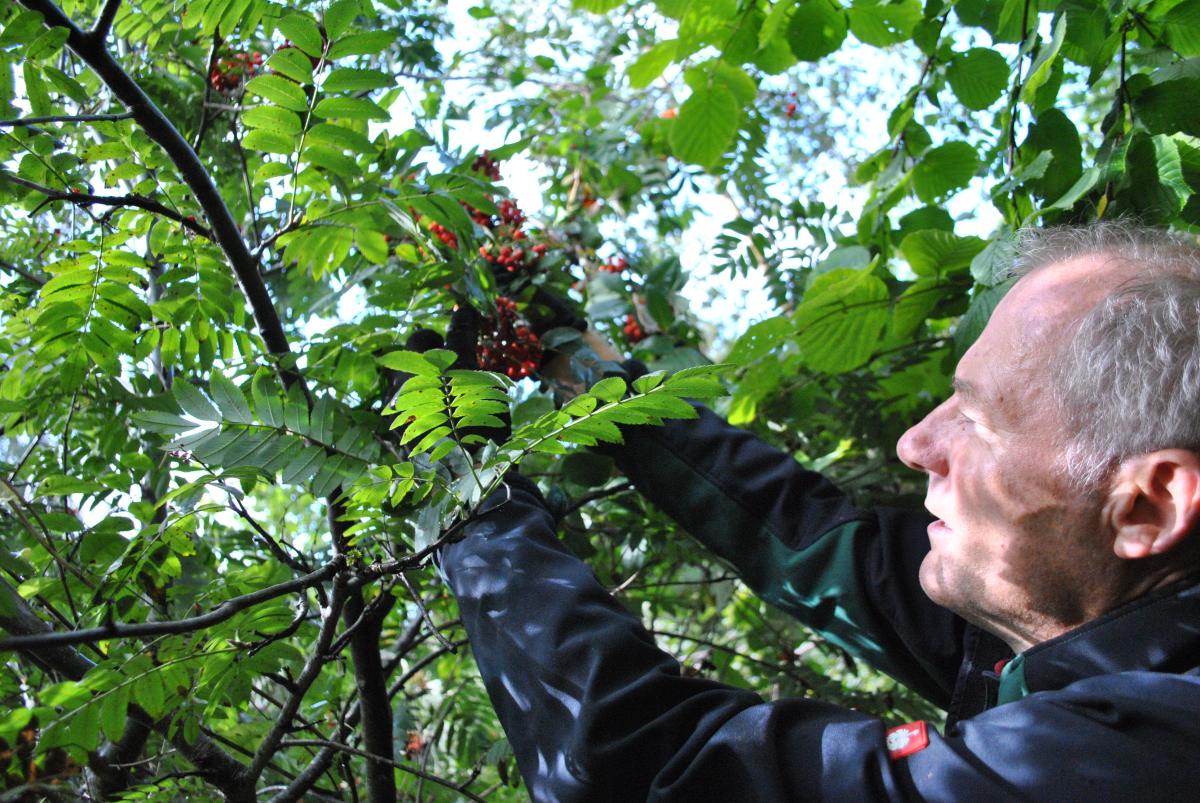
938 527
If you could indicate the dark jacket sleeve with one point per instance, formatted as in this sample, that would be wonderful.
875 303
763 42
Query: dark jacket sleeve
800 544
594 711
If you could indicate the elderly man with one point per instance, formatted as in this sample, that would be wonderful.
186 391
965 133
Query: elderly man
1051 605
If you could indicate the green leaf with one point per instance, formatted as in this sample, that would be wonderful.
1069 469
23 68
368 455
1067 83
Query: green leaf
302 30
884 24
229 399
272 118
816 29
350 108
597 6
46 45
705 127
279 91
194 402
295 411
839 321
651 63
933 252
371 43
972 323
760 339
993 264
978 77
347 79
943 170
293 64
339 17
608 390
261 139
410 362
1039 72
267 403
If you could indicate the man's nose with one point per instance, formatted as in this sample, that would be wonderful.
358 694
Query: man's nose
921 448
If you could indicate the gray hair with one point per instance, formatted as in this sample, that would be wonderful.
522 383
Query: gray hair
1128 381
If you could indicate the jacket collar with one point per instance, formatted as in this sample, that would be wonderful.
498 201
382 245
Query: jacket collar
1158 632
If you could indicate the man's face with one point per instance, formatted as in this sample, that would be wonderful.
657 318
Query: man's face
1014 548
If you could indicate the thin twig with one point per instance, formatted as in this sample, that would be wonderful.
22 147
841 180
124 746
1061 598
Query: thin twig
132 199
66 118
312 669
420 603
345 748
24 274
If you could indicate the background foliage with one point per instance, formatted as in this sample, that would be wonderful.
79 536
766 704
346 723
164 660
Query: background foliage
222 471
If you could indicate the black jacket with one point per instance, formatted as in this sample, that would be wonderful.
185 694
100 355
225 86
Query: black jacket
595 711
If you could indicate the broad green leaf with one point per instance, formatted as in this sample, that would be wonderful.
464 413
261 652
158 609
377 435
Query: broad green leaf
760 339
705 127
816 29
651 64
943 170
302 30
272 118
978 77
839 321
914 305
993 264
1181 27
279 91
884 24
938 252
980 310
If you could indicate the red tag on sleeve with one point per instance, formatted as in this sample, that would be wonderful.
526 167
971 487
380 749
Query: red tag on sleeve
904 740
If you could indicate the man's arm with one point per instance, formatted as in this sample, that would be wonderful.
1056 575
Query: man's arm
594 711
795 539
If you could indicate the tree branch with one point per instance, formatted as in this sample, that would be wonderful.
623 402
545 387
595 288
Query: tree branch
66 118
369 677
43 639
86 198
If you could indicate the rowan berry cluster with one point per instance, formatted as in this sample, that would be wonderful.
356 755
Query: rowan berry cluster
506 343
632 329
509 249
230 71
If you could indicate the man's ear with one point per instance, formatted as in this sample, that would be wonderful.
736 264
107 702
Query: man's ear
1154 503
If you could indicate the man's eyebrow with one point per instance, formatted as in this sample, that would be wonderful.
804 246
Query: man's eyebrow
968 390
